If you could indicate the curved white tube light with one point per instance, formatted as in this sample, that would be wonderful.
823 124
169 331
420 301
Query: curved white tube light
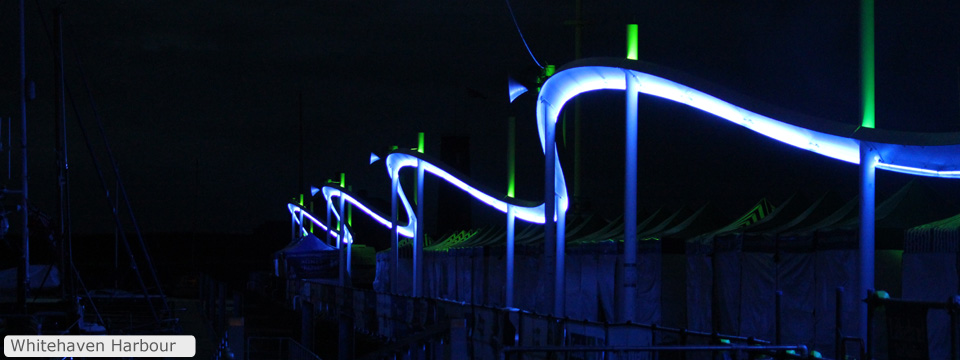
941 159
397 161
297 210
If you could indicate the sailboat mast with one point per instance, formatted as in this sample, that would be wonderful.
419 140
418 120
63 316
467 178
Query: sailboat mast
63 179
23 273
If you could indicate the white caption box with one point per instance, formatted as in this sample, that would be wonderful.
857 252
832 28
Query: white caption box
99 346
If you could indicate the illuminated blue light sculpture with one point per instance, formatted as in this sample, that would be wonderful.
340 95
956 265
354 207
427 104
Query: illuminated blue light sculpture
935 155
932 155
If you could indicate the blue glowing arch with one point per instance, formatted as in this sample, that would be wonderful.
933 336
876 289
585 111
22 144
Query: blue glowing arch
923 154
396 161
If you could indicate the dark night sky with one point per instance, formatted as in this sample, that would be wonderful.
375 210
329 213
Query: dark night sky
199 98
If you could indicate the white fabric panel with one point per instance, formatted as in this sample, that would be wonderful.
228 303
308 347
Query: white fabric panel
647 304
726 276
758 296
673 293
796 279
699 293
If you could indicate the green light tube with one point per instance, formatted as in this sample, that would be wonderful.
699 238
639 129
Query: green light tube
867 64
632 42
420 142
511 156
343 185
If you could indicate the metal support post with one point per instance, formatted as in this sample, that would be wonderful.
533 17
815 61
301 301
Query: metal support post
550 204
868 345
952 307
394 235
511 221
629 291
560 292
868 169
300 233
341 243
329 216
779 317
840 346
345 329
419 237
307 326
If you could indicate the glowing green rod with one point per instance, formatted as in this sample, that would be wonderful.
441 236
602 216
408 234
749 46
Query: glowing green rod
867 64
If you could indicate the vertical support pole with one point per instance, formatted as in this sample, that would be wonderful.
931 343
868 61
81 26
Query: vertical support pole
511 221
293 228
952 303
61 149
840 347
779 317
560 289
348 244
23 274
550 201
867 159
629 290
341 243
300 220
511 214
329 221
419 236
348 273
345 340
871 303
868 169
394 234
307 326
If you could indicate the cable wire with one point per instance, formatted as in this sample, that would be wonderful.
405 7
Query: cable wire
514 17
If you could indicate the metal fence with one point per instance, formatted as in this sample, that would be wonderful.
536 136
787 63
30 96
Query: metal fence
633 352
908 329
398 319
277 348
